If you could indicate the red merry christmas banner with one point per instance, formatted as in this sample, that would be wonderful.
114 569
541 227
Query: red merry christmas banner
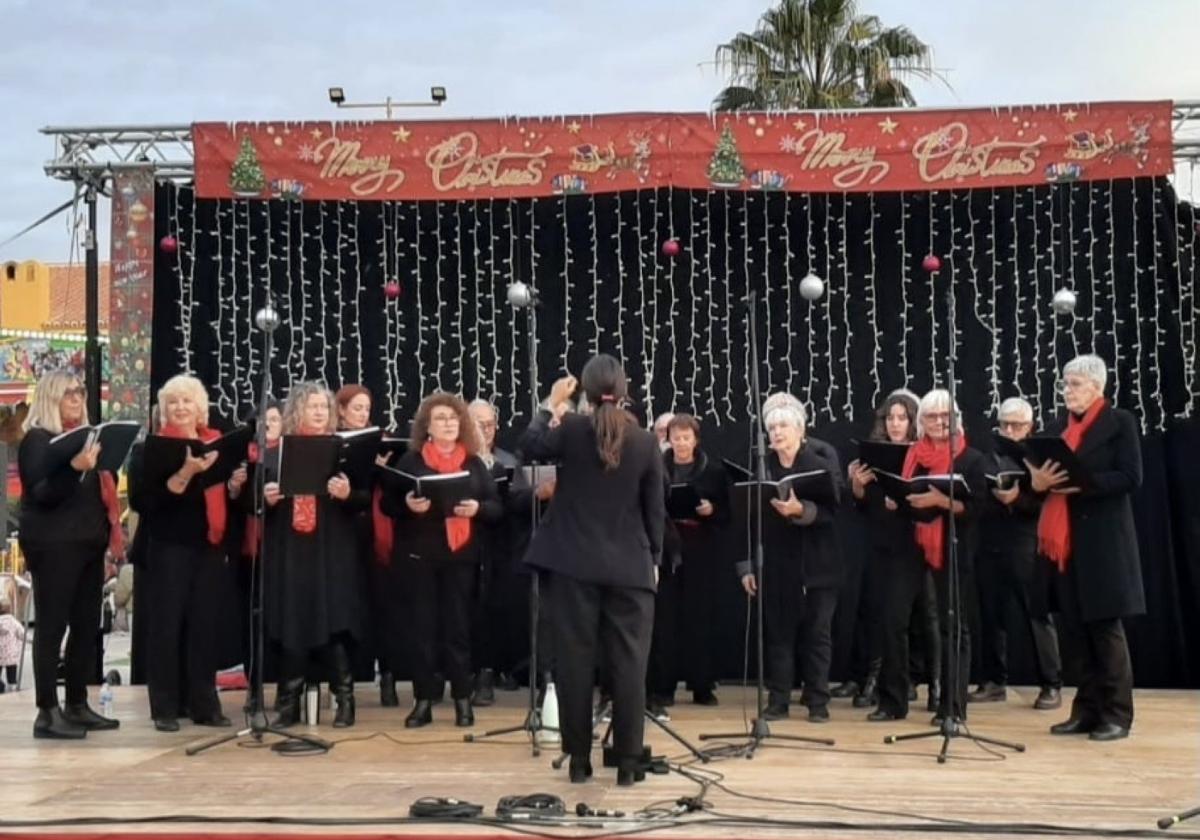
802 151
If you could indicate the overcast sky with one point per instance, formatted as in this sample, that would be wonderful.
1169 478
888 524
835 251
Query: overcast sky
71 62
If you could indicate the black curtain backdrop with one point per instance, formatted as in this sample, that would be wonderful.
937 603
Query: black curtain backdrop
1127 248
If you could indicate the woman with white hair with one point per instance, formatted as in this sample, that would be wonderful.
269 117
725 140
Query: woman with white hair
1088 535
932 455
802 555
68 518
316 606
186 520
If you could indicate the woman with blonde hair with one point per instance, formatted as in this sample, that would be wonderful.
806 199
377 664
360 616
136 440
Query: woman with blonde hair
186 519
68 519
439 556
315 587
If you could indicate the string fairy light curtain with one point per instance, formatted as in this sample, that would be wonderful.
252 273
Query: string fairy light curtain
409 297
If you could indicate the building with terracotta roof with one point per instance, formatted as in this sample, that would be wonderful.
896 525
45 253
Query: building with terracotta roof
48 298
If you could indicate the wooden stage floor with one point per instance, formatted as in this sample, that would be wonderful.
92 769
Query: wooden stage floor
1065 781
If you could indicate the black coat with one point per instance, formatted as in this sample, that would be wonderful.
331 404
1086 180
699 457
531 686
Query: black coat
1105 566
424 535
1010 531
703 540
605 526
808 547
57 505
973 466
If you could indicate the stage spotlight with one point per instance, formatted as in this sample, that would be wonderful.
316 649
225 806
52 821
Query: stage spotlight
337 96
437 94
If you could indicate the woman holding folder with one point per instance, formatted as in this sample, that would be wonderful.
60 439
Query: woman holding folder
803 562
930 510
698 503
1086 531
68 518
437 547
315 588
186 517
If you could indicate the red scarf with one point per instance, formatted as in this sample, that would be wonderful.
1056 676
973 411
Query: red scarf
214 497
304 508
937 460
253 523
1054 526
458 528
112 506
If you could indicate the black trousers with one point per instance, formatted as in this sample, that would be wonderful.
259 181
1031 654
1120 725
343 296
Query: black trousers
608 625
906 584
867 640
924 634
956 634
793 613
662 672
1001 586
1101 659
440 598
67 583
703 571
389 621
184 587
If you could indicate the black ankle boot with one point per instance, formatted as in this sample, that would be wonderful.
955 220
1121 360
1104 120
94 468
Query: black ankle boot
935 696
421 715
485 688
581 769
630 770
869 694
342 685
51 723
83 715
463 716
387 690
287 701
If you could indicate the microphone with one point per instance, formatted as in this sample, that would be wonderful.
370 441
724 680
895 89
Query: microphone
583 810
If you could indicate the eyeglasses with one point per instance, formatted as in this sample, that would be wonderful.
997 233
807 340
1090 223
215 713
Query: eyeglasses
936 416
487 425
444 418
1064 385
1014 424
78 391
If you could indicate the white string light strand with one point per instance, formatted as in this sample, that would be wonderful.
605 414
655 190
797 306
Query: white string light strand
693 305
672 305
768 287
811 258
847 328
594 345
905 259
788 283
1111 284
1137 309
1157 319
217 326
827 313
728 367
872 301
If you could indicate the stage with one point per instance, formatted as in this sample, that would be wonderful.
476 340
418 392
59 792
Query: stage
378 768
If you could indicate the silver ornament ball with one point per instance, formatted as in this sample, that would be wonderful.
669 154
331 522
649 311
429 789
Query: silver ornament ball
1064 302
812 287
520 295
267 318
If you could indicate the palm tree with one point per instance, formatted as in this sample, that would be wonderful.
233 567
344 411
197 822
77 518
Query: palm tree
821 54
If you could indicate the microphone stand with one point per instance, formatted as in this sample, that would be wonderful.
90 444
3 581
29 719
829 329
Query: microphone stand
532 725
257 725
1167 822
951 726
759 730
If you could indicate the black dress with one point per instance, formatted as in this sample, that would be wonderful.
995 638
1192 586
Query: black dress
684 621
440 584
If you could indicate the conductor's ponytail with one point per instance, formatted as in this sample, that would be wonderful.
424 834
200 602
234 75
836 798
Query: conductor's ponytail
604 383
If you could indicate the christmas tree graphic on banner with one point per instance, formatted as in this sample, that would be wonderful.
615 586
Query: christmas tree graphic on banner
246 178
725 169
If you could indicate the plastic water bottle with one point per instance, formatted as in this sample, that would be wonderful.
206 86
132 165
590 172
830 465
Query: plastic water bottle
549 734
106 700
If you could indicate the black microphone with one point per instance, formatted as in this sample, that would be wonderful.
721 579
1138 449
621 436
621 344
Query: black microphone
583 810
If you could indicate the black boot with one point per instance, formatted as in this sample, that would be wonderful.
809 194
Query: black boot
581 769
287 701
630 770
421 715
777 706
342 685
869 695
847 689
52 723
463 716
935 696
387 690
485 688
83 715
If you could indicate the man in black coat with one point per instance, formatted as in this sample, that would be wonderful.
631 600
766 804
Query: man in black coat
1008 571
1094 546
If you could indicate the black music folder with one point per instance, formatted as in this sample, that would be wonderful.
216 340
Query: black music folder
1053 448
115 437
445 490
897 488
682 501
165 455
882 455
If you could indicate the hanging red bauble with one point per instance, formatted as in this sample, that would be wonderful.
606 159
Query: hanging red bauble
671 248
168 244
932 263
392 290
